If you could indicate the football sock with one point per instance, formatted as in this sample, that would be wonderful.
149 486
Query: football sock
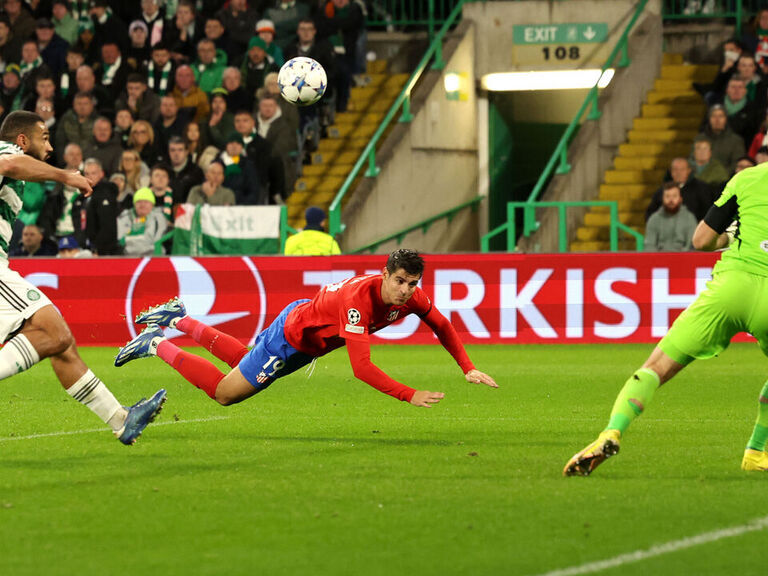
16 356
223 346
197 371
760 432
633 398
92 392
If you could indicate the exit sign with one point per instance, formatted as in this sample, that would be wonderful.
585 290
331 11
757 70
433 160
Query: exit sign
574 33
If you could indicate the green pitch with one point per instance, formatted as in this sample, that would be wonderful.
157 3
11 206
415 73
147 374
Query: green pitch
326 476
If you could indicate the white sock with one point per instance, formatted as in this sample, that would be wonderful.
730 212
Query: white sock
92 392
16 356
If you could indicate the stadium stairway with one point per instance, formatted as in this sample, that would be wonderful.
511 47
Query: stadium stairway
666 127
352 130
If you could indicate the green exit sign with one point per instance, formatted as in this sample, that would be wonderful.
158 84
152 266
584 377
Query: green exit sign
574 33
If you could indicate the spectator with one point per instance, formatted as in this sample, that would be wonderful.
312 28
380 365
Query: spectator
139 227
21 21
142 139
732 51
52 47
186 174
290 112
754 40
153 18
211 191
313 240
708 169
239 21
265 29
75 59
281 136
143 103
199 152
747 69
169 124
160 184
56 216
104 147
240 174
31 65
320 49
63 23
101 211
34 243
85 80
221 122
10 44
671 227
123 124
257 150
286 16
760 138
45 88
118 179
161 70
139 51
185 32
742 114
192 102
69 248
136 176
727 147
697 196
209 66
85 40
744 162
215 31
76 125
107 27
237 98
113 71
11 94
256 66
44 109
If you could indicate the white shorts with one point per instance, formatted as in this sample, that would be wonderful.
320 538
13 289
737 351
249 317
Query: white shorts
19 300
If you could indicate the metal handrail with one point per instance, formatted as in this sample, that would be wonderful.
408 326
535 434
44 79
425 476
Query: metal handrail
510 225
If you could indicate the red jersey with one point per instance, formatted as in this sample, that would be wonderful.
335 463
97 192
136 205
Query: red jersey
348 312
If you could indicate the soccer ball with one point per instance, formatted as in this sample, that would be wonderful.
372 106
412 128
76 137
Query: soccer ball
302 81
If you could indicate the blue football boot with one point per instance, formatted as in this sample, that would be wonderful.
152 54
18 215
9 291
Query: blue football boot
144 345
139 416
164 314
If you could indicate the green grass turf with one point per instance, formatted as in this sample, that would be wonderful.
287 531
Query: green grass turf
327 476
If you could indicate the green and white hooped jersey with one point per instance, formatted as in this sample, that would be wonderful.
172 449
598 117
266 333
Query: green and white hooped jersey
11 192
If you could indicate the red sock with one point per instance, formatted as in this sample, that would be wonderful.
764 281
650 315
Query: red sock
198 371
223 346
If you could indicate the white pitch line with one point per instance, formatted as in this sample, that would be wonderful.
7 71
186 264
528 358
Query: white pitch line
661 549
93 430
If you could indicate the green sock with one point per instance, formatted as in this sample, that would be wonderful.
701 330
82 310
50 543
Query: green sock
633 398
760 432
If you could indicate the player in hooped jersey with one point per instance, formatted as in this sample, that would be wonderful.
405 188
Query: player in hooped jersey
31 327
340 314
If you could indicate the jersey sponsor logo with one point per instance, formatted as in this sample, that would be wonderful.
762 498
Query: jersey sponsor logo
195 282
764 245
355 329
392 316
353 316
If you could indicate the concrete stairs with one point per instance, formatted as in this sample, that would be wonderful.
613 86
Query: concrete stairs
666 128
352 130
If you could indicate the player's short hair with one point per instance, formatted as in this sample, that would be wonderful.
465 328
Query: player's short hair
408 260
18 122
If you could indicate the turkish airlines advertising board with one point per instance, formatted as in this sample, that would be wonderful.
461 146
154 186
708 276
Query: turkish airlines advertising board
504 298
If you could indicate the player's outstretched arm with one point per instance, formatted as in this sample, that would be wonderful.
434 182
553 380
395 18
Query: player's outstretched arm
476 377
425 398
23 167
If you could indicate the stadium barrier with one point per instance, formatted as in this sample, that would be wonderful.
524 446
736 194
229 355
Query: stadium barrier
489 298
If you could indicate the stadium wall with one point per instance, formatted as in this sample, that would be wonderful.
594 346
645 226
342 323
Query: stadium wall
489 298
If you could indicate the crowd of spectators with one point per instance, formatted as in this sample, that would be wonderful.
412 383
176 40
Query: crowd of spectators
162 102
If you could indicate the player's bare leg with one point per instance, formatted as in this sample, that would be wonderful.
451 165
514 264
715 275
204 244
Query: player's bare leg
634 397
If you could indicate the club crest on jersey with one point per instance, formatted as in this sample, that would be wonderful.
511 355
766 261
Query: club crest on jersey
392 316
353 316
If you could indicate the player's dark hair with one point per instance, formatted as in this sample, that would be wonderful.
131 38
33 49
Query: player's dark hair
669 185
18 122
408 260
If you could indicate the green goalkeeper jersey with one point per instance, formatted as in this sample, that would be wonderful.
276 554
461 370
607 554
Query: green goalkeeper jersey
11 192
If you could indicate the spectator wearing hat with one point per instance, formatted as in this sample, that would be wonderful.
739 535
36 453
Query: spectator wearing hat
286 17
212 191
107 27
139 51
727 147
239 21
21 20
265 29
185 31
11 93
141 226
69 248
209 66
63 23
312 240
86 43
153 17
10 44
34 243
240 174
52 47
255 67
142 102
232 82
221 122
161 70
192 102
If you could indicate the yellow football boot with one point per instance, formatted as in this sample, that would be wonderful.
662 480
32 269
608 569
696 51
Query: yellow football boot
755 460
582 464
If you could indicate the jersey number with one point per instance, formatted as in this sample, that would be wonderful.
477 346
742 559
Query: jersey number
273 363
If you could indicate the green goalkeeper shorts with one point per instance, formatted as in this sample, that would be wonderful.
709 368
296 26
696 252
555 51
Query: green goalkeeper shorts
733 302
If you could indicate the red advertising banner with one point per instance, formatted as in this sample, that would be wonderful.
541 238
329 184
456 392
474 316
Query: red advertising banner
489 298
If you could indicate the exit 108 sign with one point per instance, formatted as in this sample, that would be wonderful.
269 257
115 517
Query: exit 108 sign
572 33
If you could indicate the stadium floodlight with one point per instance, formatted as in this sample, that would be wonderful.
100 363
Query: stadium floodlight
547 80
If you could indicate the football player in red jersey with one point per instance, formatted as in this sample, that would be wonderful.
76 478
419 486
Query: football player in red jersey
344 313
